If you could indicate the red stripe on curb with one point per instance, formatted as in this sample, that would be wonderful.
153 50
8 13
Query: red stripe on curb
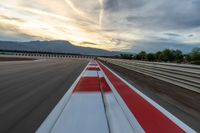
87 84
104 85
93 68
149 117
93 65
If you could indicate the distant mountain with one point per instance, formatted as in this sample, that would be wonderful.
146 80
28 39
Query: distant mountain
54 46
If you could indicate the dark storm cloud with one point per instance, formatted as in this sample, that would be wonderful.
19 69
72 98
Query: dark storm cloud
172 34
167 15
191 35
154 46
114 5
111 5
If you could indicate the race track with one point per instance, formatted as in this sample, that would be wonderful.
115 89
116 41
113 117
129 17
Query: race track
29 90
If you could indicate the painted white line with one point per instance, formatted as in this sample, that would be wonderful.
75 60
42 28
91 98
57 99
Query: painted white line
92 66
118 122
133 121
49 122
131 118
100 73
178 122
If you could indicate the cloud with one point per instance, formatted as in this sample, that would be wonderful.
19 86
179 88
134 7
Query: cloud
109 24
111 5
10 18
154 46
191 35
173 34
13 36
167 15
90 43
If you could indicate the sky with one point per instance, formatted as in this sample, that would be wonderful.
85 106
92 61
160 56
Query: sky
122 25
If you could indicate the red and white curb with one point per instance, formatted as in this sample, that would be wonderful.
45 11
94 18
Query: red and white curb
100 101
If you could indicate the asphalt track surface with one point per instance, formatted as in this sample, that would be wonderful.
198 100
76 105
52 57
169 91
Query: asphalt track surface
29 90
15 59
183 103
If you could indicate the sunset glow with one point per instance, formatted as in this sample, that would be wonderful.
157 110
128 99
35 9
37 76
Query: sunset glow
107 24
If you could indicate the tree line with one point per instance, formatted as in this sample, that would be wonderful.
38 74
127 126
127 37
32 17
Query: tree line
166 55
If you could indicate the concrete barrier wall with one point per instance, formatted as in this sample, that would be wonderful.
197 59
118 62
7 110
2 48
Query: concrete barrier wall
184 75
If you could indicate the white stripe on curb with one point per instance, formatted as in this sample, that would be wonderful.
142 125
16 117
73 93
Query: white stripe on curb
118 122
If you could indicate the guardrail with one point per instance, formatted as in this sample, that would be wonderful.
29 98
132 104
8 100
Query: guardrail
183 75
